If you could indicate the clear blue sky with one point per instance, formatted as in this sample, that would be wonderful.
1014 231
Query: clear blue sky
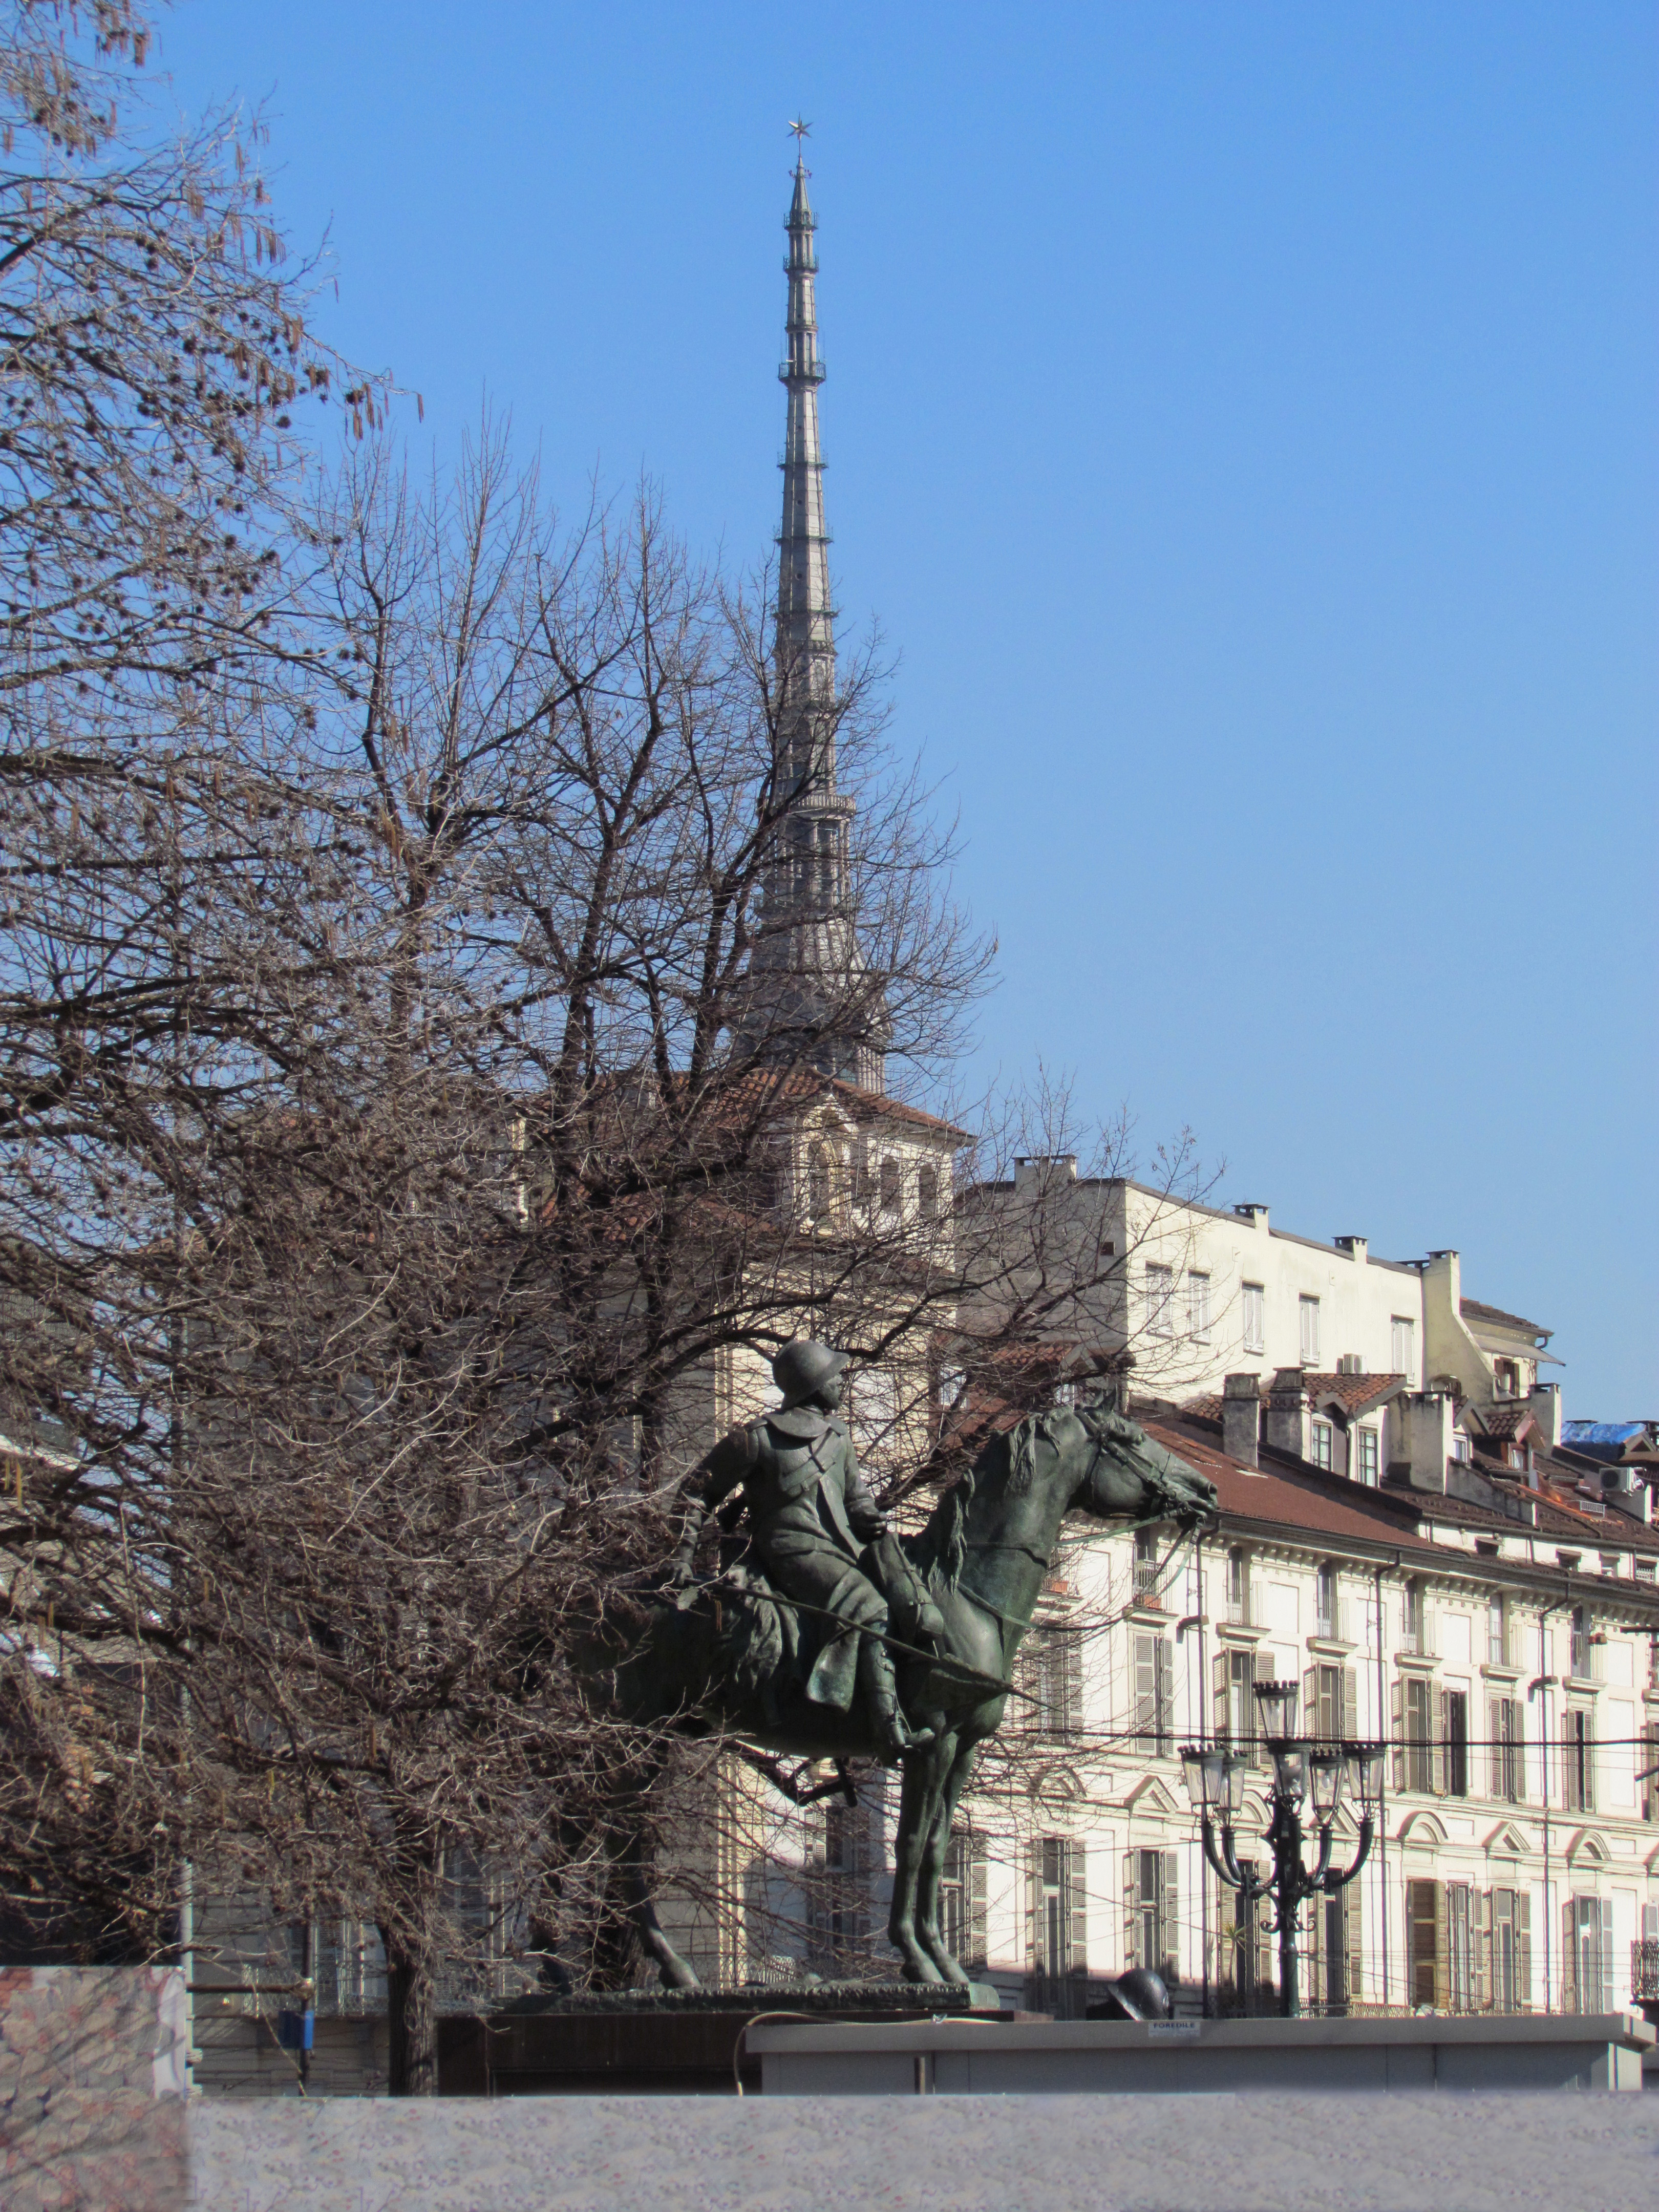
1241 420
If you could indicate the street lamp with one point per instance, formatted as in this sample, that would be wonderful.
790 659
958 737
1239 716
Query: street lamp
1302 1768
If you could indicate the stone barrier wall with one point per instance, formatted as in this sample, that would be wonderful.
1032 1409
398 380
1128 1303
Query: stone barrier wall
92 2080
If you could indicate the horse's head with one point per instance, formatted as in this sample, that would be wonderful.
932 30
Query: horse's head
1130 1475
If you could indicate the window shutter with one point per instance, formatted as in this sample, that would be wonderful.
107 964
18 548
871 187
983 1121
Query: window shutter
1604 1913
1220 1716
1071 1683
1572 1997
1397 1731
1163 1719
1442 1724
1350 1702
1523 1950
1518 1731
1076 1909
1482 1946
1034 1908
1355 1990
1495 1748
1131 1954
1145 1685
1171 1916
1442 1949
1310 1702
976 1944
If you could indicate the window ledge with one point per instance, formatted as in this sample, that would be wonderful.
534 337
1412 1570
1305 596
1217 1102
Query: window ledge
1333 1646
1239 1631
1496 1673
1422 1662
1149 1616
1582 1685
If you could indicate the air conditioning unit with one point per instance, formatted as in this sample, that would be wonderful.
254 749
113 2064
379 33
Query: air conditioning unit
1350 1364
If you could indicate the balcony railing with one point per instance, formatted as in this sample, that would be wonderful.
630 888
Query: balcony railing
1644 1970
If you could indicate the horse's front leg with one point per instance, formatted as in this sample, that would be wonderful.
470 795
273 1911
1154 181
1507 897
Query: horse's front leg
925 1775
933 1854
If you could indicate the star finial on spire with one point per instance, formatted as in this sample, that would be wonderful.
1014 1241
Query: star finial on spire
800 131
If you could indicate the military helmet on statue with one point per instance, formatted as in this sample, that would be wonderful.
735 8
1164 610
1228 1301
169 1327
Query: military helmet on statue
803 1367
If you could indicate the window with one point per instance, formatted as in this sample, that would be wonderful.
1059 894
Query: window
1497 1632
1145 1565
1402 1346
1505 1379
1328 1605
1059 1937
1329 1704
1151 1881
1247 1950
1238 1588
1578 1761
1462 1935
927 1193
817 1183
1053 1666
1587 1955
1454 1742
1508 1947
1509 1755
1256 1318
1581 1653
1160 1291
1153 1720
890 1187
962 1900
1323 1445
1335 1982
1415 1624
1414 1759
1198 1307
1647 1571
1235 1703
1460 1446
1308 1311
1426 1924
1369 1456
1647 1768
840 1896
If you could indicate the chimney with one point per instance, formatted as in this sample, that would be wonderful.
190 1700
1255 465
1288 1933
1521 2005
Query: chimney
1355 1247
1543 1404
1423 1439
1252 1216
1044 1170
1287 1408
1241 1417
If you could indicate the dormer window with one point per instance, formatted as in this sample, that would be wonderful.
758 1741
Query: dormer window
927 1193
891 1186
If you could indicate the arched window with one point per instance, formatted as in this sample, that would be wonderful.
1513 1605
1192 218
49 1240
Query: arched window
889 1186
927 1193
817 1182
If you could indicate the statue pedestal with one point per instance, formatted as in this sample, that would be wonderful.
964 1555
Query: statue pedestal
681 2041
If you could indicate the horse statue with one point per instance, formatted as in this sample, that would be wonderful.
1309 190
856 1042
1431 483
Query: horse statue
730 1655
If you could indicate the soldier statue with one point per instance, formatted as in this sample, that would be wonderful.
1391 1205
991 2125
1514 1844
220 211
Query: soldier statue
811 1520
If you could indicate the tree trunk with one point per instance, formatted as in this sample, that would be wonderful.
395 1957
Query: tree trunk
412 2001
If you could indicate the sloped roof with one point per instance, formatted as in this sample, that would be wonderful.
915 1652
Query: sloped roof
1495 1317
1354 1392
1285 1492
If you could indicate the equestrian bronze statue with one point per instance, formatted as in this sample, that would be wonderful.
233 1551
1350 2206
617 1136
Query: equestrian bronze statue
819 1598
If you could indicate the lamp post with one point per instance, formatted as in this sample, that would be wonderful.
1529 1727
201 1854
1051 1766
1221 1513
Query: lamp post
1302 1770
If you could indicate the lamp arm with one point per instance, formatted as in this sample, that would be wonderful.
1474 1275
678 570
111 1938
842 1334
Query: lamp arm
1367 1833
1315 1880
1217 1867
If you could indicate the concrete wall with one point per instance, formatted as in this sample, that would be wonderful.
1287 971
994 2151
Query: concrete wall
1273 2153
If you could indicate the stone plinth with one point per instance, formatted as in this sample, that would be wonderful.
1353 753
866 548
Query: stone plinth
1490 2051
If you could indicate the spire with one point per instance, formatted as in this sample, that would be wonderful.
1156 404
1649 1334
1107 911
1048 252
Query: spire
806 968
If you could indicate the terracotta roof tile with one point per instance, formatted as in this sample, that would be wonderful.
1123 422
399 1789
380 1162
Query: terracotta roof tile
1495 1317
1291 1494
1355 1392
